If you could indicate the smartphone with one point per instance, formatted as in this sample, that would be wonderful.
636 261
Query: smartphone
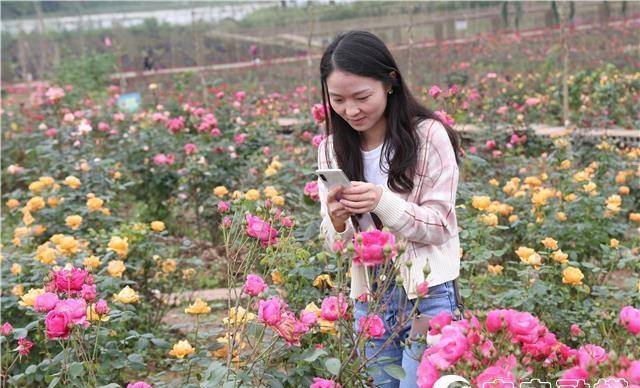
333 177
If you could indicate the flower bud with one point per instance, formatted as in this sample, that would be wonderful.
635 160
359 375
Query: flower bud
351 248
426 270
399 280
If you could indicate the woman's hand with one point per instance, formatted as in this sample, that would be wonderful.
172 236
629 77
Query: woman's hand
361 197
337 211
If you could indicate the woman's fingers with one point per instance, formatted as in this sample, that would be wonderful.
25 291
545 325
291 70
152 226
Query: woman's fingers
356 205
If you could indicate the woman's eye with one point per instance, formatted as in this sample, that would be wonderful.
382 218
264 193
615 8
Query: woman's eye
363 98
337 101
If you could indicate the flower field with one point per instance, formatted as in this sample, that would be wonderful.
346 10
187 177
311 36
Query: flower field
110 214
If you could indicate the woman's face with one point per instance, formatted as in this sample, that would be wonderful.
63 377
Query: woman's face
360 101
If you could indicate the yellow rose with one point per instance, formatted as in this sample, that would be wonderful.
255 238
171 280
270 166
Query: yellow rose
480 202
16 269
541 196
621 177
495 269
635 217
581 176
45 254
119 245
238 316
72 182
105 211
39 230
572 276
270 171
35 204
624 190
198 307
91 262
278 200
560 216
494 182
17 290
157 226
115 268
614 202
532 181
13 203
270 192
275 163
560 256
614 243
29 298
513 218
220 191
276 277
117 175
68 245
489 219
182 349
252 195
56 238
169 266
550 243
46 180
566 164
94 204
53 201
188 273
236 194
27 218
36 186
20 232
323 281
589 187
73 221
126 295
524 253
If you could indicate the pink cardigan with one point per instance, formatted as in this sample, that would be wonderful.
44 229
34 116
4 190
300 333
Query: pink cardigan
424 218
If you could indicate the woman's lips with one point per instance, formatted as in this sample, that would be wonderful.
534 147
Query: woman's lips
359 121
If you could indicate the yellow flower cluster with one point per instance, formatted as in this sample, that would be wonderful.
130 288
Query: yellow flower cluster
198 307
273 167
220 191
126 295
271 193
181 349
119 245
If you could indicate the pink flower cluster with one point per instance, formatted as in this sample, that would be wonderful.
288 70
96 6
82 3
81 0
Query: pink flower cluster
64 314
324 383
208 123
370 247
445 118
275 313
162 159
334 308
261 230
471 345
319 113
254 285
371 326
311 190
175 124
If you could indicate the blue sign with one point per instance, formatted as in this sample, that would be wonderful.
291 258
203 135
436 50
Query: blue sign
129 102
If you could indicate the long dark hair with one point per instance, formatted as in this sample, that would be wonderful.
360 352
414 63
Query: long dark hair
364 54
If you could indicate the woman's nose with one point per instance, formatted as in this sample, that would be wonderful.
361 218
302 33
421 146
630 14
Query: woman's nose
351 111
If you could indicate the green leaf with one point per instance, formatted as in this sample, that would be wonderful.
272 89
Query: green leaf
76 369
135 357
395 371
333 366
31 369
314 355
54 382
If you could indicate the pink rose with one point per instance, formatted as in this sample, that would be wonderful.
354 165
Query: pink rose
473 150
57 324
226 222
175 125
524 327
496 320
261 230
306 136
101 307
435 91
445 118
190 148
575 331
630 319
103 127
427 373
68 281
317 139
591 355
45 302
422 289
532 101
495 377
308 317
220 95
502 110
240 138
490 144
88 292
75 309
254 285
270 310
215 132
324 383
24 346
139 384
438 322
223 207
240 96
160 159
51 132
632 374
448 350
290 330
453 89
370 247
319 113
311 190
6 329
333 308
576 373
371 326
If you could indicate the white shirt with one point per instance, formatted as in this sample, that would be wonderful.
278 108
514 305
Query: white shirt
373 174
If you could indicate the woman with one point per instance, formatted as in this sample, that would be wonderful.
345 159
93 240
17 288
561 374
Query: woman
403 164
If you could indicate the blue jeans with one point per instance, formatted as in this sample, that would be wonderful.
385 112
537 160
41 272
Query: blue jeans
393 311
